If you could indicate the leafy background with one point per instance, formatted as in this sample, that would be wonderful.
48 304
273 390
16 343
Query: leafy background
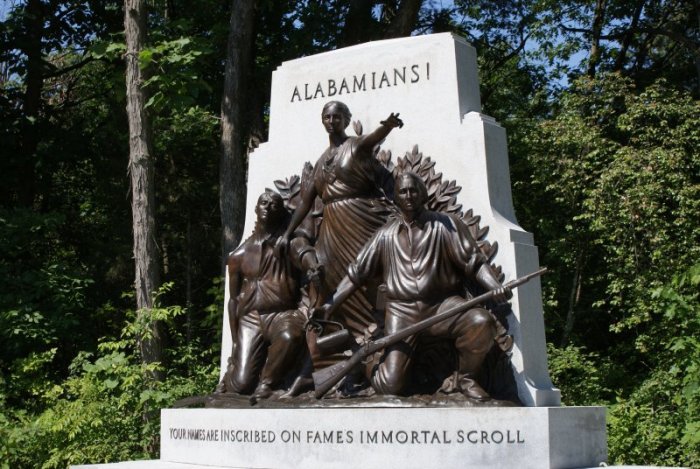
600 102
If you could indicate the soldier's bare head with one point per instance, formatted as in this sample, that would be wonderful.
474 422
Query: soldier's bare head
410 193
270 208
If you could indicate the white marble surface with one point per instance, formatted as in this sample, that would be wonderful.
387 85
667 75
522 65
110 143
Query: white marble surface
438 99
158 464
523 437
148 464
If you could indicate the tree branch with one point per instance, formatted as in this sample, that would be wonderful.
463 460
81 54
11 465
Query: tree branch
58 72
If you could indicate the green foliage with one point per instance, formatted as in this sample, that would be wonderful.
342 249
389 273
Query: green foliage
680 303
581 376
172 67
652 230
43 299
107 409
647 427
605 172
107 49
618 170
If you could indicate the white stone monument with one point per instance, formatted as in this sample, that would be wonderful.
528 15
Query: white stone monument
432 82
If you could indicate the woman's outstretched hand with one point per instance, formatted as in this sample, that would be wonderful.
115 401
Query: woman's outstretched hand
393 121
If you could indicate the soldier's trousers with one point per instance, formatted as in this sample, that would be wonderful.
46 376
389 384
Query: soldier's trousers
473 331
268 345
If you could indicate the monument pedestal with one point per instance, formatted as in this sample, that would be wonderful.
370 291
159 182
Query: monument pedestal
522 437
382 437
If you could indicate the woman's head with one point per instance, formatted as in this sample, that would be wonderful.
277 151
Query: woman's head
334 109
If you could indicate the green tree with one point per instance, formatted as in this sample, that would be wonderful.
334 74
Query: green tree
96 414
659 422
617 173
605 172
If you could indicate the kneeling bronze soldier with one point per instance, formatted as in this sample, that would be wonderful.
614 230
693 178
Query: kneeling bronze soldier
424 258
267 326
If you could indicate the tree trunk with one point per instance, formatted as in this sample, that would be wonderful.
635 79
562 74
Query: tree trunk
360 25
31 101
403 23
141 170
233 166
596 31
574 296
188 280
170 12
696 52
629 35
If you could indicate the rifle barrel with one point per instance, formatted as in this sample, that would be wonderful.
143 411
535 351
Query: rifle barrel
424 324
324 383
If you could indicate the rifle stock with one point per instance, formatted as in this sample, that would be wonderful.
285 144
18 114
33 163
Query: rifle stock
328 377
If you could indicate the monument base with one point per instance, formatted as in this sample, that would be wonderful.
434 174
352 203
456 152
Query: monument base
523 437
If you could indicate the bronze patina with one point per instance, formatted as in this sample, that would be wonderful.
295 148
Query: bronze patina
345 178
265 320
423 258
389 254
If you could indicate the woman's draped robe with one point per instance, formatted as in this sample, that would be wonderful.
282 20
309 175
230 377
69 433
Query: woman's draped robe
354 208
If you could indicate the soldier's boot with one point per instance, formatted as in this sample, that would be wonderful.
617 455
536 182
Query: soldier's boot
471 388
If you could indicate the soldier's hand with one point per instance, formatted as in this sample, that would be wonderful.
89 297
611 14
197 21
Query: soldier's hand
502 295
393 121
320 312
315 275
281 246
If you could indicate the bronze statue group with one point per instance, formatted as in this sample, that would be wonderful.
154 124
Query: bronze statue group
376 264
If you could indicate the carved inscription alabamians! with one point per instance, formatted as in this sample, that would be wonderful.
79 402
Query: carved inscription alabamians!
402 75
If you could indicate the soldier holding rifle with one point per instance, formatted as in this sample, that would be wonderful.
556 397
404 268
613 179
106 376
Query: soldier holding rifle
424 258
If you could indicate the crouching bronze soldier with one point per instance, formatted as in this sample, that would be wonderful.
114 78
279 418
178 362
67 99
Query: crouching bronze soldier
267 326
424 258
